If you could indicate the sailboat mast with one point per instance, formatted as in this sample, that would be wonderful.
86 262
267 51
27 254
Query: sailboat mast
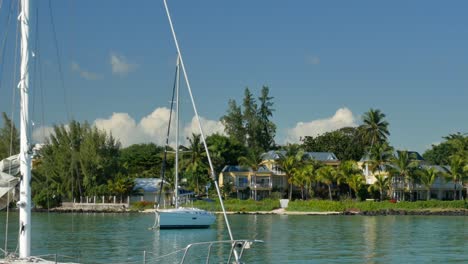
176 179
24 203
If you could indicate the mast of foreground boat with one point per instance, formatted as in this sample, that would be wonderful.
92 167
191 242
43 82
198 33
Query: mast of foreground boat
213 176
24 203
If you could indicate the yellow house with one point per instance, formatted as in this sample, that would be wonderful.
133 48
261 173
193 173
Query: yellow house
269 177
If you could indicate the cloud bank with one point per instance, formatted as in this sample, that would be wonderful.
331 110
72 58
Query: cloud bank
151 128
342 118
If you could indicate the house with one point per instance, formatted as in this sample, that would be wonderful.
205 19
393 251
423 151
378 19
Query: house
441 189
147 189
268 178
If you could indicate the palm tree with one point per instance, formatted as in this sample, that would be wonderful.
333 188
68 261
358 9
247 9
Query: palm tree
327 175
289 161
252 160
196 167
375 127
380 155
404 166
457 173
427 176
382 183
346 171
303 177
355 182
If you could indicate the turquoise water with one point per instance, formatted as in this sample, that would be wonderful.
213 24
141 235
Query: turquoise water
122 238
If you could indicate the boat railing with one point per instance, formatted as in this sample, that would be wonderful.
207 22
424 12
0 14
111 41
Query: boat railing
46 259
236 251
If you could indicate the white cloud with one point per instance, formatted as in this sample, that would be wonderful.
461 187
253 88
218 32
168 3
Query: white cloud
209 127
120 65
151 128
87 75
342 118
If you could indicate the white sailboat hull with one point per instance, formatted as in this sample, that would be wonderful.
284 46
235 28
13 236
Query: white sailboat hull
184 218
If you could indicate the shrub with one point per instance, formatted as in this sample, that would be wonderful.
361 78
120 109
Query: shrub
142 205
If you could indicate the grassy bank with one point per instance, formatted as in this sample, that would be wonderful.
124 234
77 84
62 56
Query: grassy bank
349 205
235 205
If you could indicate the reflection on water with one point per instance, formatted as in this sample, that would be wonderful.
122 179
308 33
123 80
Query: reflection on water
120 238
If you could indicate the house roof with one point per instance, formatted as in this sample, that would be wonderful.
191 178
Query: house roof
366 156
235 168
239 168
319 156
147 184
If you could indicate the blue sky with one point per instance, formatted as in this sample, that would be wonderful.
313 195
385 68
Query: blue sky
326 63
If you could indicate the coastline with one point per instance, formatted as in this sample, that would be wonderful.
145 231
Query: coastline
282 211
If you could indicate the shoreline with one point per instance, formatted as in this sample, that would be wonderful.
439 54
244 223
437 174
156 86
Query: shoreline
282 211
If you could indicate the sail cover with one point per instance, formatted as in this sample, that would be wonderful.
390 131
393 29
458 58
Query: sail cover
7 189
8 182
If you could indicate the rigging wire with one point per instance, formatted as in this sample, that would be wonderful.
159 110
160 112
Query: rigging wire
59 63
4 41
15 71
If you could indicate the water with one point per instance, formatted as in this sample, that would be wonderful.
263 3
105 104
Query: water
122 238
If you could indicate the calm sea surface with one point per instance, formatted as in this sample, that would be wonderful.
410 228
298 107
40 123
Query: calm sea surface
122 238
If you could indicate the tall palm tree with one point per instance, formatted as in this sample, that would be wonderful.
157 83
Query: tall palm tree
404 166
382 183
289 161
427 176
380 155
327 175
196 167
375 127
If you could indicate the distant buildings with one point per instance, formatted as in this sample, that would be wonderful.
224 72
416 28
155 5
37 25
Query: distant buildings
268 178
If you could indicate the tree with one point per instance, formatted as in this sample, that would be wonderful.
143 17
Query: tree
346 171
327 175
9 138
77 160
233 123
252 160
404 166
456 173
142 160
121 186
250 119
346 143
197 168
380 155
288 161
375 128
224 151
356 182
454 144
266 128
382 184
304 176
427 177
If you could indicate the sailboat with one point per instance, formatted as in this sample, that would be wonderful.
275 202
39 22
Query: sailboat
175 216
179 217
